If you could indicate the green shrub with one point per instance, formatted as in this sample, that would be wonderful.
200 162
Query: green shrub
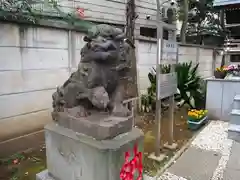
148 101
191 87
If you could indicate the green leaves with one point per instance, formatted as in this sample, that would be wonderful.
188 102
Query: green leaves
189 85
24 11
191 89
16 10
165 68
152 76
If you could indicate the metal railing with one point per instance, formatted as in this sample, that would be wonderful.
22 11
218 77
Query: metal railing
131 104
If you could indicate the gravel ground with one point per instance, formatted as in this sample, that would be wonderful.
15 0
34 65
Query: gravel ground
214 138
169 176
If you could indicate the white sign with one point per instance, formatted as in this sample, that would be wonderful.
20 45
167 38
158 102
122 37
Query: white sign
167 85
169 50
170 46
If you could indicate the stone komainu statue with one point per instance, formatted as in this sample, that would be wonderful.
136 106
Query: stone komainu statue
95 86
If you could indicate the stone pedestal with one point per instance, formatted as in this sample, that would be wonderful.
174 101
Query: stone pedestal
99 126
74 156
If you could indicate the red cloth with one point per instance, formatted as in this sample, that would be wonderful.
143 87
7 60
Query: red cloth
131 166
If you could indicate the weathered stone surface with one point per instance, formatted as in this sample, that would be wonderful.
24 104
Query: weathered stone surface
234 160
200 169
231 174
44 175
96 85
99 126
234 135
80 157
93 129
232 170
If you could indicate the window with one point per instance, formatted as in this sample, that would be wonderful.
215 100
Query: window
232 16
235 58
152 32
111 24
148 32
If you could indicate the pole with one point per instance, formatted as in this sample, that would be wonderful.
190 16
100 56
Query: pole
172 103
158 74
170 144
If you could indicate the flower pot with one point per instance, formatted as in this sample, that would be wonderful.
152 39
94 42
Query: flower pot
219 74
194 125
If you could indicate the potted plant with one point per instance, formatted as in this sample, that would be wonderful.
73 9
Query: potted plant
233 70
196 118
220 73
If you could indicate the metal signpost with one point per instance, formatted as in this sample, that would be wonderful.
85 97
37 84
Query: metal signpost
158 62
171 51
166 83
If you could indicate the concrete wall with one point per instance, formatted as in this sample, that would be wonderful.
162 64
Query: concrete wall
33 61
219 107
202 55
146 53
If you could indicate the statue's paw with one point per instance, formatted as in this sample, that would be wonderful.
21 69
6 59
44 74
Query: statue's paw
82 114
54 116
120 111
77 111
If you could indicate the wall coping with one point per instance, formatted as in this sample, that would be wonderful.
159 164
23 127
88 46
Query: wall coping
58 23
45 23
222 80
154 40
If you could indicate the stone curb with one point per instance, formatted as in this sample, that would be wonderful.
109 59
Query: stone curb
175 157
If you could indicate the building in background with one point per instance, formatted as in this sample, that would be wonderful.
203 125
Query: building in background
231 12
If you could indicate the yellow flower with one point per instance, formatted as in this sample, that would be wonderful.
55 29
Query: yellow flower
198 114
221 69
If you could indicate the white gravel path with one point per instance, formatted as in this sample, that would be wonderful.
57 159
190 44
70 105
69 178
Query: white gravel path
169 176
213 138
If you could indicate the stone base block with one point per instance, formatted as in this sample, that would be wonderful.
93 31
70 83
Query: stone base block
99 126
74 156
172 146
44 175
235 136
159 158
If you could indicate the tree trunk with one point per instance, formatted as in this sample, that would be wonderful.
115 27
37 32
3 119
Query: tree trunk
131 84
185 21
223 26
199 35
